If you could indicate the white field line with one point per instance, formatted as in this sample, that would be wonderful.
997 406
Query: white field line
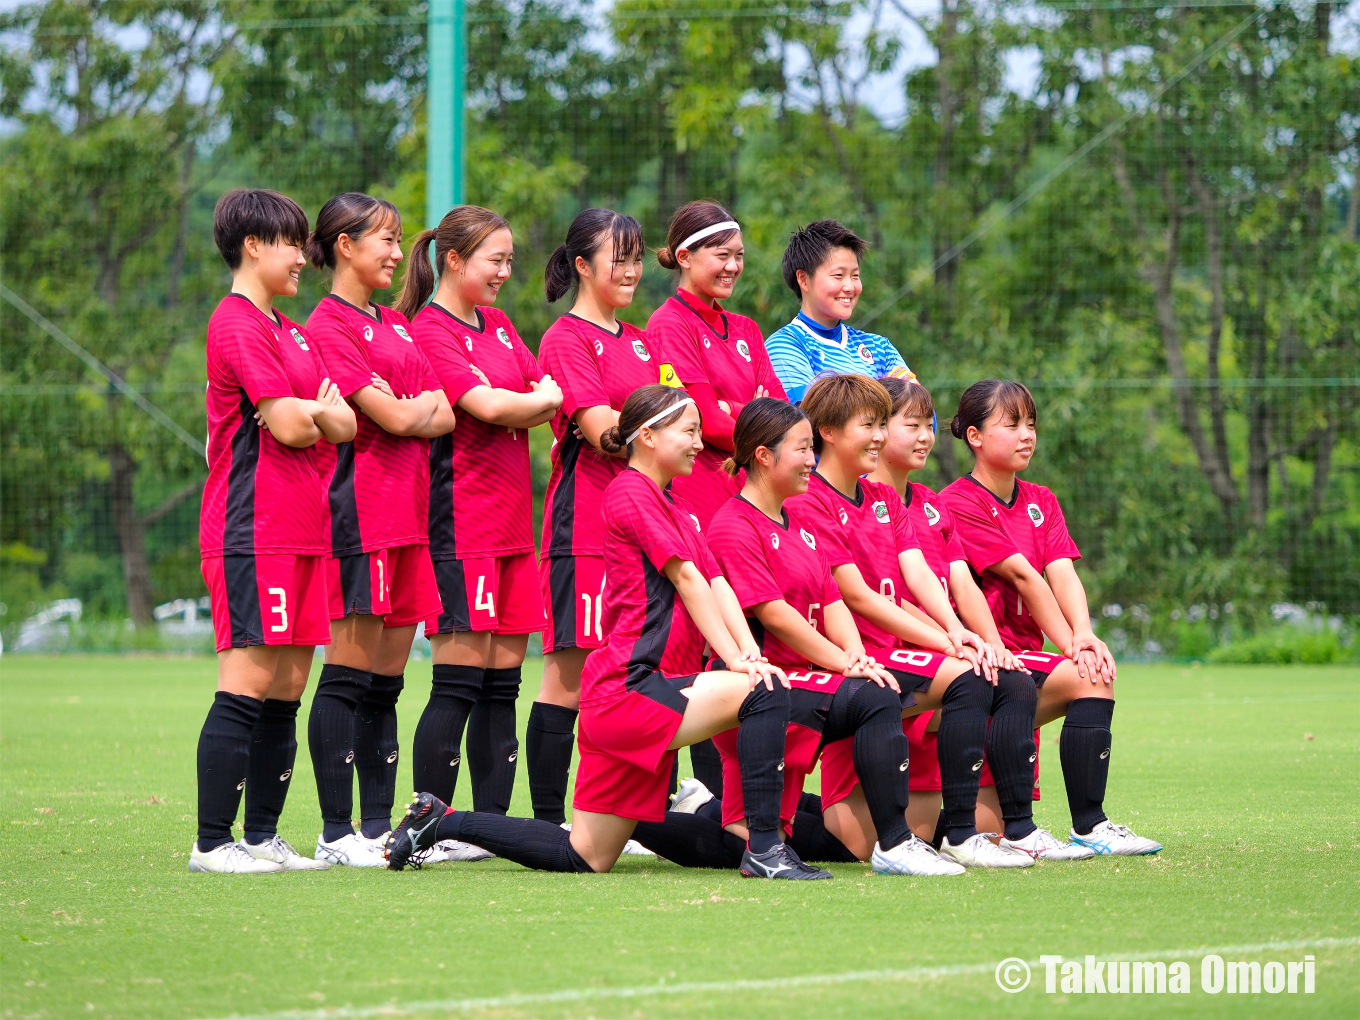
570 995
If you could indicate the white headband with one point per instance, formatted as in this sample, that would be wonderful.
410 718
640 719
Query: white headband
657 417
699 235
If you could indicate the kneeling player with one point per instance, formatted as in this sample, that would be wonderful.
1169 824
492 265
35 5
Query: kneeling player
1017 542
635 713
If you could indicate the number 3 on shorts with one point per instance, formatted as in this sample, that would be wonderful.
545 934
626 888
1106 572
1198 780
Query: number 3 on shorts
281 609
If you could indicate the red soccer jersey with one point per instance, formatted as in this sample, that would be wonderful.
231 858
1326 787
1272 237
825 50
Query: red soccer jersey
646 625
993 530
378 482
481 502
934 526
722 350
595 368
764 561
869 531
261 496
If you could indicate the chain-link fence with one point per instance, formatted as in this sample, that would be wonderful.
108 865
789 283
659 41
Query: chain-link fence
1147 211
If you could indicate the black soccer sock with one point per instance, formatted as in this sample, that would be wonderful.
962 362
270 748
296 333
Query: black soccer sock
1084 747
763 719
710 809
273 750
691 841
963 732
376 751
706 762
873 715
813 841
1011 752
937 838
527 841
330 739
492 747
548 743
436 750
223 764
810 802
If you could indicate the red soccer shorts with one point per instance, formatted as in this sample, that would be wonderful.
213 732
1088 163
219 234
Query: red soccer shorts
573 600
270 599
397 584
498 594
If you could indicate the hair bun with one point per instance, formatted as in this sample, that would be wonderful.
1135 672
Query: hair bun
666 259
315 253
956 427
611 440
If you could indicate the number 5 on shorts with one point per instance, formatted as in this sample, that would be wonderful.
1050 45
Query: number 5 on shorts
281 609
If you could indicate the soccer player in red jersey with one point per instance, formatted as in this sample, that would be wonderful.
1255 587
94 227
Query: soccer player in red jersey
598 361
481 527
1017 543
381 580
636 712
262 532
718 357
910 438
865 534
770 555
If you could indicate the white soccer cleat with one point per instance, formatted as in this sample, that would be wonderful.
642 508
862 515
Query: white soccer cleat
230 859
1108 839
912 857
280 851
352 851
453 850
1042 845
635 849
690 797
977 851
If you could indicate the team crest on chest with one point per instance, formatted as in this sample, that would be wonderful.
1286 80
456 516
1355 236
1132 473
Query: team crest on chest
744 349
774 540
504 337
808 537
301 340
881 511
1035 514
368 333
865 355
640 349
932 515
400 330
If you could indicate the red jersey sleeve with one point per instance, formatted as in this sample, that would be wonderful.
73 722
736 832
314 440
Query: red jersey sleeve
765 376
741 553
949 531
343 355
679 349
256 362
831 539
983 538
643 520
581 382
831 591
903 532
1058 541
450 369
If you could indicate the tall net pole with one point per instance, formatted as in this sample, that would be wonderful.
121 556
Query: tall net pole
447 60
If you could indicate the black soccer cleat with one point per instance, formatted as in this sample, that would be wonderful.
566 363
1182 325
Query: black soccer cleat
778 862
416 832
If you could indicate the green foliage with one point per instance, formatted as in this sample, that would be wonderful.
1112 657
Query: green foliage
1291 645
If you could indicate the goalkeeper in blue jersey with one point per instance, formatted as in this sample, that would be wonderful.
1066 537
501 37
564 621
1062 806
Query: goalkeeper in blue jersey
821 266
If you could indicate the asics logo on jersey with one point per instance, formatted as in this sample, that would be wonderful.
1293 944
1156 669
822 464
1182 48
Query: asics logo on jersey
504 337
977 765
284 778
301 340
468 341
808 537
368 333
697 525
392 757
845 517
932 515
774 540
707 343
640 349
1035 514
401 332
668 376
599 349
744 349
881 511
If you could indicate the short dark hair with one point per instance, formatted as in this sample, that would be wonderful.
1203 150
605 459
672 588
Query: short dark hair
256 212
812 245
833 400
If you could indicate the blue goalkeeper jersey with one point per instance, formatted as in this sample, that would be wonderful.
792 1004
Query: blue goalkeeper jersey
803 350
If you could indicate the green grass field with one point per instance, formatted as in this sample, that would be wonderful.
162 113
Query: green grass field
1250 776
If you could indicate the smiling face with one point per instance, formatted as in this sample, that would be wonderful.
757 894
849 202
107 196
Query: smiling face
787 468
672 448
276 265
1006 442
373 257
833 289
481 277
611 277
910 438
856 447
711 273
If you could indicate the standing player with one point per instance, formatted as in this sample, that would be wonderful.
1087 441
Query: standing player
821 267
718 357
598 361
1017 542
866 536
262 532
636 712
910 438
381 581
481 501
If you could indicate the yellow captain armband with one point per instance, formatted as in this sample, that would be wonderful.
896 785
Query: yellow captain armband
902 373
669 378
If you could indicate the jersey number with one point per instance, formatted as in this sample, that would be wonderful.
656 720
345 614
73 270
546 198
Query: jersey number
887 589
588 617
812 607
909 657
484 599
281 609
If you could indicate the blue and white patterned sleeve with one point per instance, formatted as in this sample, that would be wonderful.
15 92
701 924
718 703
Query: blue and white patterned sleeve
790 361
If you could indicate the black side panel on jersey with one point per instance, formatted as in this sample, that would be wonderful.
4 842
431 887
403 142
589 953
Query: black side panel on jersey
656 627
238 523
455 617
345 537
243 598
562 592
443 545
564 498
356 584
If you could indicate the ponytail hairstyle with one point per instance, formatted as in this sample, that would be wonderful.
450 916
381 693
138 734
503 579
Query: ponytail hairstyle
833 400
909 395
642 405
983 399
352 213
585 237
462 231
688 220
765 422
